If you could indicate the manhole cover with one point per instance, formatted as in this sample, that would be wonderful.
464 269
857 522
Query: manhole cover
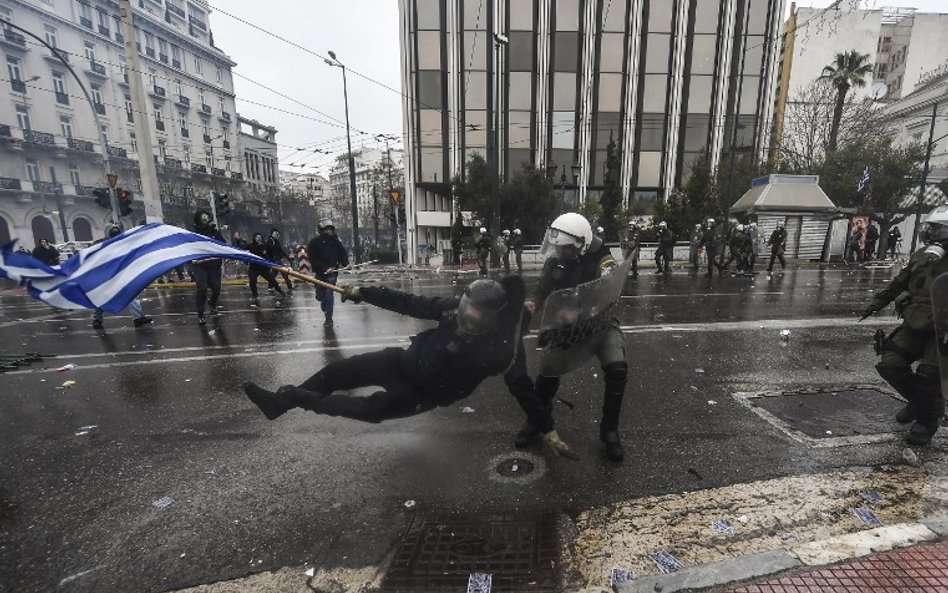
515 467
847 416
439 554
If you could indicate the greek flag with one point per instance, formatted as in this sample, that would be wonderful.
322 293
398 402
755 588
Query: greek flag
109 275
864 180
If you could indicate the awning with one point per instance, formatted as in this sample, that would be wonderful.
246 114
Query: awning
933 196
785 193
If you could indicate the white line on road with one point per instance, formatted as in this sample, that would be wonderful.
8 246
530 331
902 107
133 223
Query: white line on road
698 295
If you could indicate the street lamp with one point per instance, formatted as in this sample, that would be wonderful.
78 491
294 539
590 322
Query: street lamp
577 171
499 41
352 176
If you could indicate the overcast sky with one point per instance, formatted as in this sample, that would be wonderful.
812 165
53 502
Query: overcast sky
364 35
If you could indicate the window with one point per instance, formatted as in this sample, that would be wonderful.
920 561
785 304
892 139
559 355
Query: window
220 75
158 119
23 117
222 103
197 65
105 134
885 45
133 142
163 50
128 104
96 94
85 13
149 44
225 135
175 56
118 28
205 127
153 77
7 15
187 156
32 170
13 68
103 18
66 125
177 87
59 83
183 120
201 96
209 159
566 51
50 34
74 174
162 150
123 68
89 50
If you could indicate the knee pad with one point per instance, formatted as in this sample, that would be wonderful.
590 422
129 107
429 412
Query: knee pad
616 372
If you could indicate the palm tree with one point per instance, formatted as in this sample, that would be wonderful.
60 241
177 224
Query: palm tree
847 70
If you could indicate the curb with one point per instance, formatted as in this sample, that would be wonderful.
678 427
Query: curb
832 550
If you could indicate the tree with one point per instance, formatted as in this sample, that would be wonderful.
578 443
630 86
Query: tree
474 191
528 203
847 70
611 198
893 172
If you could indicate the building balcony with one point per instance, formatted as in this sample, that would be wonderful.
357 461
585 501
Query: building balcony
176 64
173 163
197 23
99 108
163 58
105 31
117 151
185 133
18 86
219 172
48 187
83 145
82 190
10 183
87 23
158 91
226 144
160 126
207 139
5 131
97 69
178 12
13 39
183 101
119 37
198 168
236 175
130 117
35 137
205 108
150 52
57 57
62 98
225 116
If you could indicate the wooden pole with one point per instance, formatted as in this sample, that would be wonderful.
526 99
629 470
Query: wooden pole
309 279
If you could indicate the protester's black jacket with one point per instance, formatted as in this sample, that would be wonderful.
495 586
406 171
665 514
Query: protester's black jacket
445 364
275 251
260 250
47 255
325 252
212 232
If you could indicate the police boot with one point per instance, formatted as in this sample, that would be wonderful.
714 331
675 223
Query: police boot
615 375
901 379
930 406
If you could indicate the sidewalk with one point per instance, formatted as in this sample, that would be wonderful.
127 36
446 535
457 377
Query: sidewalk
922 568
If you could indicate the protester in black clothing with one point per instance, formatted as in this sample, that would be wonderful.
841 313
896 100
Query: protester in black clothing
326 255
778 244
207 272
46 253
476 337
872 237
895 235
277 255
259 248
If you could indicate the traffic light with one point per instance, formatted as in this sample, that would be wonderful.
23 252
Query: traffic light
221 204
102 198
125 201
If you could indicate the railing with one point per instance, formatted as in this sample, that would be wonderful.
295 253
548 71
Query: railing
117 151
160 125
197 23
150 52
198 168
87 23
205 108
62 98
14 38
226 144
18 86
236 175
225 116
159 91
185 133
176 64
10 183
219 172
173 163
82 190
175 10
207 139
5 131
185 101
99 108
104 31
48 187
76 144
38 137
163 58
97 68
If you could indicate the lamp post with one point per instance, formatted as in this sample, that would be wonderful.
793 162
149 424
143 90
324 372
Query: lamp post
577 171
921 188
499 41
352 176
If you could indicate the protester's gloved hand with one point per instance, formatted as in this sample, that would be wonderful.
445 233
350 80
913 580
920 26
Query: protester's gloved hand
351 293
557 447
869 312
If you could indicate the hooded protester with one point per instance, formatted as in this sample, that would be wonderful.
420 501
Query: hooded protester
259 248
207 272
327 255
277 254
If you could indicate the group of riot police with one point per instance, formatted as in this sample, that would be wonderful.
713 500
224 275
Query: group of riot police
507 242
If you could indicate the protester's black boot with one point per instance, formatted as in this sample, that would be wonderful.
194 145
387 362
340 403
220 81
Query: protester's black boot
929 404
273 405
526 436
615 375
907 414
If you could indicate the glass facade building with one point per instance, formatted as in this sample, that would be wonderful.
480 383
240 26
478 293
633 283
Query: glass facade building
666 79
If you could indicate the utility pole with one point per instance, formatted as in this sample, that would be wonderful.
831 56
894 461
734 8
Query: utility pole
924 182
499 41
151 195
375 207
352 176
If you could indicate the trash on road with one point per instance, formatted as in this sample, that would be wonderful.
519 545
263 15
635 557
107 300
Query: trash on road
163 502
84 430
665 562
66 367
620 575
212 332
867 517
786 537
187 380
785 335
310 572
467 410
909 456
409 504
723 526
871 496
743 519
699 371
479 582
67 384
711 402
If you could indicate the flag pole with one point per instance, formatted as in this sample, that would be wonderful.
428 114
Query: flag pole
309 279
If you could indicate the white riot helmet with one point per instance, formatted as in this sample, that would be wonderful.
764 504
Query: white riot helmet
710 222
698 227
633 225
663 225
516 231
599 230
740 227
506 233
483 231
935 228
569 236
780 224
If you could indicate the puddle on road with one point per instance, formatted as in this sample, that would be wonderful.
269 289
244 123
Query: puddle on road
780 513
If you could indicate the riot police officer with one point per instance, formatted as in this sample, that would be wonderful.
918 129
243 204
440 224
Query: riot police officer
915 340
482 245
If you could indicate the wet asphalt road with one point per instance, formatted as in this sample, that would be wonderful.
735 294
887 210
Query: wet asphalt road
249 495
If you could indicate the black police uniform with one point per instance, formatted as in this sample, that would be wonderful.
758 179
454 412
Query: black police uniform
441 366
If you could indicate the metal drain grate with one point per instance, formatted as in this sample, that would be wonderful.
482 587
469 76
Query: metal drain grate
439 554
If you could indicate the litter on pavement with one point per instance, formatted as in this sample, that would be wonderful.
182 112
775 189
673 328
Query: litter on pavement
620 575
479 582
467 410
785 334
310 572
67 384
84 430
867 517
66 367
665 562
723 526
409 504
163 502
871 496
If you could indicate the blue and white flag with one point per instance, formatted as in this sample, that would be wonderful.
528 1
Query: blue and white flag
864 180
109 275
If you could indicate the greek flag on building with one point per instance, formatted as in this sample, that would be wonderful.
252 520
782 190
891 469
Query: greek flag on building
864 180
110 274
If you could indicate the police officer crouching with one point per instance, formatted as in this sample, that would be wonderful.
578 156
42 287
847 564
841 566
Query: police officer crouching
916 339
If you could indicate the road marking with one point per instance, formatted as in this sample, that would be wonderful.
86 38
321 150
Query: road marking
699 295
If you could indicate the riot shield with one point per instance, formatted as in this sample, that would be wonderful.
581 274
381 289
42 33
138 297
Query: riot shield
939 294
575 321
